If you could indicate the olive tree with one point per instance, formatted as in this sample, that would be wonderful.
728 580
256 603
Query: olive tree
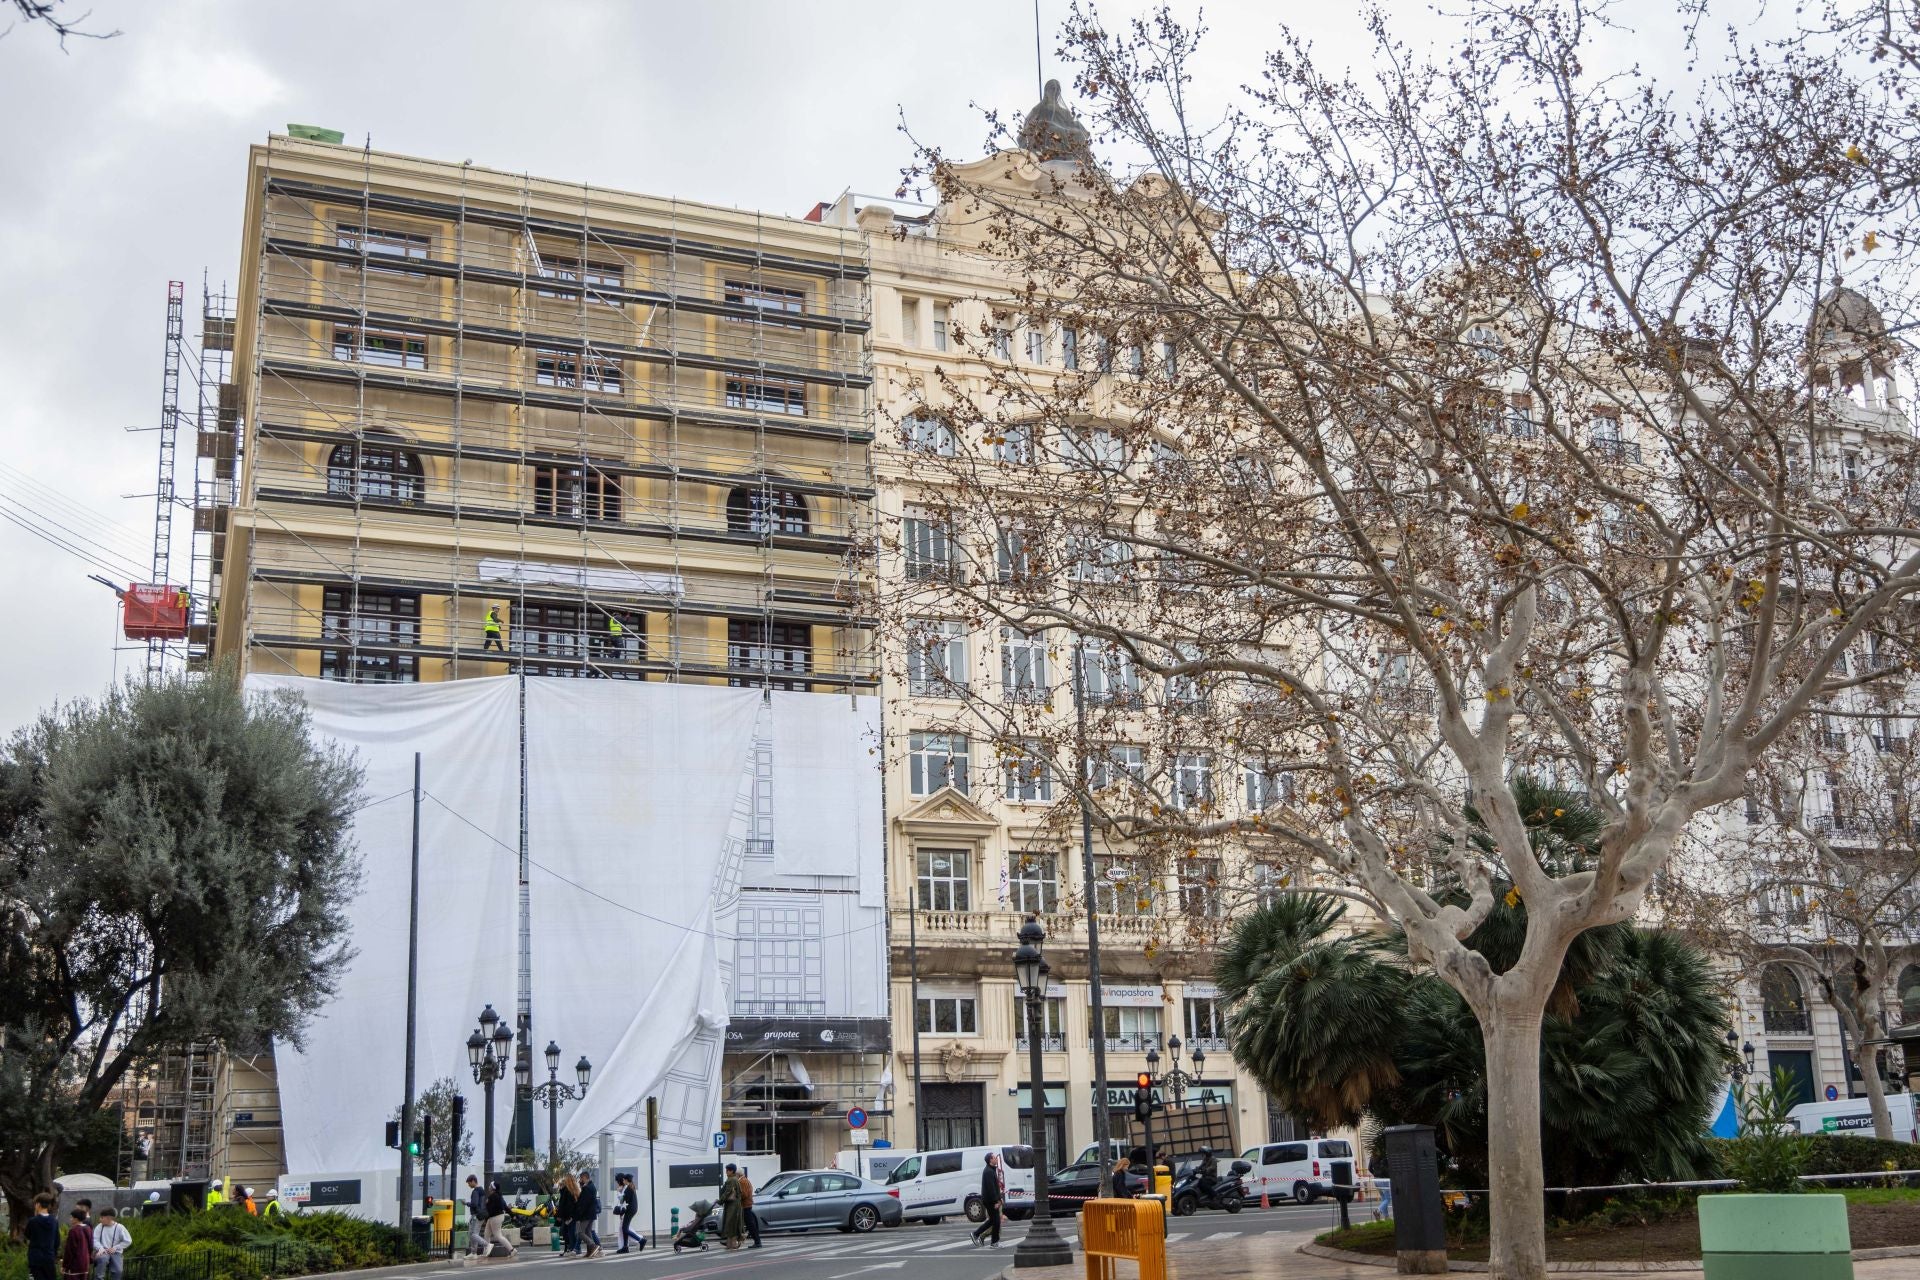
175 865
1399 429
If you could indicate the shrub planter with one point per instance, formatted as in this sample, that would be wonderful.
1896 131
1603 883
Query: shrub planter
1800 1237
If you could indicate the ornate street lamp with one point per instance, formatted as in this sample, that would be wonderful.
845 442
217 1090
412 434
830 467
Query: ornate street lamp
1042 1245
554 1095
489 1049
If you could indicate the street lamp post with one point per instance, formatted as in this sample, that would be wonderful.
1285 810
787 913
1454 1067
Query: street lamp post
1741 1065
1042 1245
554 1094
1177 1080
489 1050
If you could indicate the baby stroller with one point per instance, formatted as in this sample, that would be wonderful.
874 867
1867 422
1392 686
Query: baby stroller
691 1236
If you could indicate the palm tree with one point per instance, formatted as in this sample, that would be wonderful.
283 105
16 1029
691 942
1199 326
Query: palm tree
1337 1025
1316 1006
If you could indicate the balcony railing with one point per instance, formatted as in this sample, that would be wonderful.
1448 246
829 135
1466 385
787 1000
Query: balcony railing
1048 1044
1786 1022
1131 1042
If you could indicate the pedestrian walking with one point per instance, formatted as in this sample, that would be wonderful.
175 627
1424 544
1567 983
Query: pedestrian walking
993 1194
566 1214
589 1211
1383 1179
1123 1178
492 630
496 1214
76 1257
733 1211
43 1240
476 1215
627 1206
110 1241
746 1203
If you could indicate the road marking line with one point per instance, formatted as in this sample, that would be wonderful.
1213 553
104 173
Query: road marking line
1221 1235
956 1244
1178 1235
878 1266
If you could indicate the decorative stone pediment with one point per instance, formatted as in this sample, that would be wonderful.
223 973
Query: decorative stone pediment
949 814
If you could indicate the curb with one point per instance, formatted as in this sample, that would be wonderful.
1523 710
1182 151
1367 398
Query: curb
1385 1261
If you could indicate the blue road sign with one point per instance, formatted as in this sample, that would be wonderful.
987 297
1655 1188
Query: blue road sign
719 1141
856 1119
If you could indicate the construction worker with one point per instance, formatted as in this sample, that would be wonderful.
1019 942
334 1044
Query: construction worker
214 1196
246 1201
616 643
493 630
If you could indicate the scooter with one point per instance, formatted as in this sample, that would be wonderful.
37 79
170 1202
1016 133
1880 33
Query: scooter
1228 1193
525 1218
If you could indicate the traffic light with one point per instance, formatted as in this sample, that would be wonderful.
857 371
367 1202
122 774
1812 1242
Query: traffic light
426 1134
653 1118
393 1134
1143 1096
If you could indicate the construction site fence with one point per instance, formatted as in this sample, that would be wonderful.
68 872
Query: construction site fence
264 1260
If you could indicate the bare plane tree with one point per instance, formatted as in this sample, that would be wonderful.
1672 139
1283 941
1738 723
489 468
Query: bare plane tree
1381 438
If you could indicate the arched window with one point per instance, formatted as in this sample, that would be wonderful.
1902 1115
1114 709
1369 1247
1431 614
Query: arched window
766 511
1783 1002
377 471
1909 991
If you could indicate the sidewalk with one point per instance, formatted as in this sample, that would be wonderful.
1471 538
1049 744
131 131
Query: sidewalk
1277 1255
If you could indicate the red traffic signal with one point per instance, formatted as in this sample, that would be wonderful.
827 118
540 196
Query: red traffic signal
1143 1080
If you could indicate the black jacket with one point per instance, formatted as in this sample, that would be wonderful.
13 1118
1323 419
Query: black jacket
629 1202
496 1204
990 1185
43 1239
588 1207
567 1207
477 1201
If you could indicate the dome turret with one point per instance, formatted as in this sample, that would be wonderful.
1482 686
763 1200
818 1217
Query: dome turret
1051 131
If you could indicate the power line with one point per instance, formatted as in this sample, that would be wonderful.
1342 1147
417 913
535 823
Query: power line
57 541
592 893
62 536
105 529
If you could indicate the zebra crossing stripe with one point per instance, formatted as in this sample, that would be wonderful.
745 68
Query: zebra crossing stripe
1221 1235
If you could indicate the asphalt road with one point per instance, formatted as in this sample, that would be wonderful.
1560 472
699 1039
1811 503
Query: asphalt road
914 1251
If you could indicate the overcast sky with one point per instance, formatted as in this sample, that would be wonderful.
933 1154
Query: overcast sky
123 165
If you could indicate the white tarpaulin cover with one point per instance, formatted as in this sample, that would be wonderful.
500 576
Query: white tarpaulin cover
639 802
827 763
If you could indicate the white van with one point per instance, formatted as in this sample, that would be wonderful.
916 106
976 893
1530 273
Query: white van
1854 1116
1304 1171
933 1184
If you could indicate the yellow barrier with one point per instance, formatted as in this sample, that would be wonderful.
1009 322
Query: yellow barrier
1133 1229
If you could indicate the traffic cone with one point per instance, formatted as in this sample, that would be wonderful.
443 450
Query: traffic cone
1264 1202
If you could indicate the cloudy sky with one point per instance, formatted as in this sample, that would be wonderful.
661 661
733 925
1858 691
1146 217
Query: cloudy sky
122 168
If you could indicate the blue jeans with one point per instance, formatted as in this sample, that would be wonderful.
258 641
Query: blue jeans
1385 1209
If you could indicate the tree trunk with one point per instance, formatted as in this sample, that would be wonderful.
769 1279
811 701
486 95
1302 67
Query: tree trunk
24 1178
1864 1057
1515 1172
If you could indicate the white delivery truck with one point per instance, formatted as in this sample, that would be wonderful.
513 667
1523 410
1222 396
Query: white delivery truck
1853 1116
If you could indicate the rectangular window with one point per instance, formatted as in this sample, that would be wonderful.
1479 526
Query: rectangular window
1023 666
372 628
576 493
384 247
1033 882
939 326
550 630
1028 780
1266 786
948 1015
1070 348
1014 444
1109 675
910 321
585 370
1053 1025
1192 779
1169 359
1519 418
1037 352
767 395
770 302
926 544
1098 559
1206 1023
1130 1030
1200 886
1136 359
1186 693
1003 342
1120 888
937 658
1093 450
590 275
936 760
1116 763
778 654
388 348
946 879
1014 560
924 433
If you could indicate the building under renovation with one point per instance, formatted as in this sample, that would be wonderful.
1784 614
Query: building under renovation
479 424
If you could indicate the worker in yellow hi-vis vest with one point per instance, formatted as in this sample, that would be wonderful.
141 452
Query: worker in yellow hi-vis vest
616 637
492 629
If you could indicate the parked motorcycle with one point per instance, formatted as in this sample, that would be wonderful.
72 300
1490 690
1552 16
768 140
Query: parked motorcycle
1228 1192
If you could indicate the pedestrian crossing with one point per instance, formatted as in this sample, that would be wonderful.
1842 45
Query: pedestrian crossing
884 1243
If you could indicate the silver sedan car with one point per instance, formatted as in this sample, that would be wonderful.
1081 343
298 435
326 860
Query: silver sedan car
798 1200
